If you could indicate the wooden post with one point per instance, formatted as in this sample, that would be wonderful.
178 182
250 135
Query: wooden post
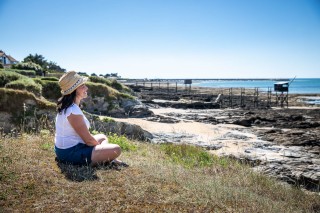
256 97
230 97
242 96
176 87
269 97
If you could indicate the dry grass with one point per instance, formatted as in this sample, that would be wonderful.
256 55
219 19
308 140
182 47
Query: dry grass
32 181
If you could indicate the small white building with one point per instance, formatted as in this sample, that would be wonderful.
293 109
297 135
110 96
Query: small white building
7 60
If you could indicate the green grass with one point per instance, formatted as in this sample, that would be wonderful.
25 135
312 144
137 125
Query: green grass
187 155
122 141
107 119
32 181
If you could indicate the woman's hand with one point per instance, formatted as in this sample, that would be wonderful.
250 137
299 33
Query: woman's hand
100 138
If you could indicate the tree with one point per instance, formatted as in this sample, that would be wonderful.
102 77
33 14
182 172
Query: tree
37 59
52 66
46 66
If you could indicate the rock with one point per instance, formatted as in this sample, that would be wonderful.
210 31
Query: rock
212 146
291 154
243 122
163 119
138 111
131 131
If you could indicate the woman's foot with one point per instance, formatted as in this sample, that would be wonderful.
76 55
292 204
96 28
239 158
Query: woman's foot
117 162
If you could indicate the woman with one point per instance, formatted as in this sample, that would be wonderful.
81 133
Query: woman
73 142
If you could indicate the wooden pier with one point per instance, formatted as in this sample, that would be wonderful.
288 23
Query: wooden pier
225 97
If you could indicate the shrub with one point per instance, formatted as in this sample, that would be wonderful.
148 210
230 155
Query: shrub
188 155
125 95
108 120
115 84
26 72
50 89
28 66
7 76
50 78
122 141
97 79
112 83
25 84
54 74
12 100
1 66
22 72
102 90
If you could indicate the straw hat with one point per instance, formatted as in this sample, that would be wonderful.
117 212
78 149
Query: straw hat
70 81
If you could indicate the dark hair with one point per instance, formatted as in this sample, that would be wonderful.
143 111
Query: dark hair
65 101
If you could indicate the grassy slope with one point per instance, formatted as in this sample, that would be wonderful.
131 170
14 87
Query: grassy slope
31 180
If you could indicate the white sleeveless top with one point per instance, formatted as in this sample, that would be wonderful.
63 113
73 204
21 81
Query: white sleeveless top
66 136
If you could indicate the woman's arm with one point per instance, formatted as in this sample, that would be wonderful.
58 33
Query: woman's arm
78 124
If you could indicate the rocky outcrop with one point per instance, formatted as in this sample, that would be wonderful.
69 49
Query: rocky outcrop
120 128
185 105
120 108
288 147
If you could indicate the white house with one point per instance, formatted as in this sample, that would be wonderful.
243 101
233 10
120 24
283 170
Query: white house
7 60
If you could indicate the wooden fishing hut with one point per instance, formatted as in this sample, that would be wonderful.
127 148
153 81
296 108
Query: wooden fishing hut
283 89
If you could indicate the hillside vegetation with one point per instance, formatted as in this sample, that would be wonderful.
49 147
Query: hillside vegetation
48 87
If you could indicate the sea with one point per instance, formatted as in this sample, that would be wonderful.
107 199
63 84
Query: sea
296 86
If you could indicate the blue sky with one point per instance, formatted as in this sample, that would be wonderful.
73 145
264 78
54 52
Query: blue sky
168 38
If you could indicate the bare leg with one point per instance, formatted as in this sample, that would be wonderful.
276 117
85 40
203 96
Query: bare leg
105 152
100 138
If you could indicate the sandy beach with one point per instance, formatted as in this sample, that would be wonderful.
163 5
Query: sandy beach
282 142
233 139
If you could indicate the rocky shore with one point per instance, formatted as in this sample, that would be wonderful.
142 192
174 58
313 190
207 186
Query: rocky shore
280 142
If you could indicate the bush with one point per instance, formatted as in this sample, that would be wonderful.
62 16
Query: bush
54 74
25 84
96 79
7 76
50 89
23 72
112 83
1 66
122 141
13 100
108 120
28 66
188 155
50 78
102 90
125 95
115 84
27 73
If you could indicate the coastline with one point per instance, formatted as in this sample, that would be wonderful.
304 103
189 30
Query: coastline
280 142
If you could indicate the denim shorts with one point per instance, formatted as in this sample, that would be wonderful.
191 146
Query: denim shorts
79 154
